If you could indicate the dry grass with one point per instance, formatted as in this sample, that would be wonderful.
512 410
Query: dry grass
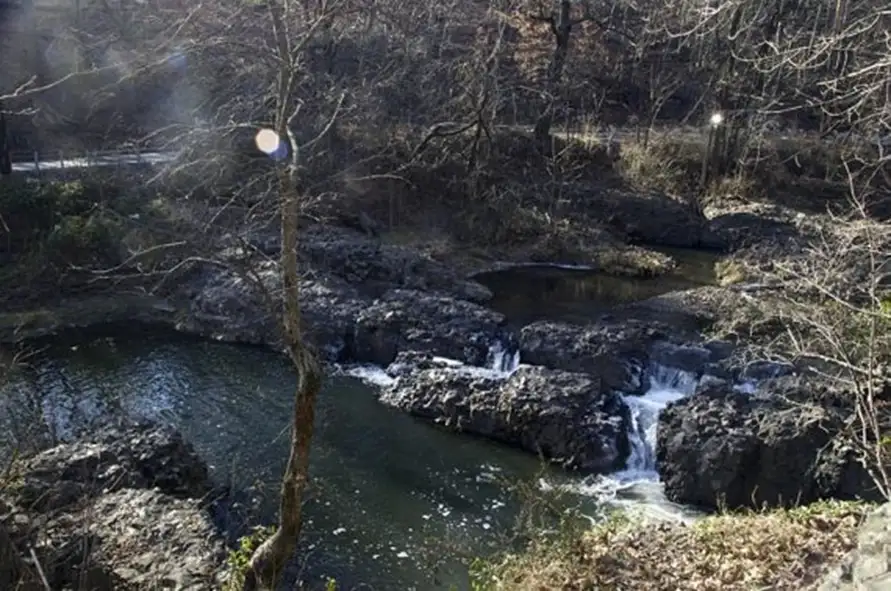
662 164
777 550
531 236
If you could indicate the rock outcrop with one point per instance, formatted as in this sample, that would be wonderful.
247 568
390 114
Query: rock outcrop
124 510
654 219
778 446
603 350
377 267
618 352
570 418
361 302
409 320
867 567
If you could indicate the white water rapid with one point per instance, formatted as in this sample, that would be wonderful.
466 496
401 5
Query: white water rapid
502 360
638 485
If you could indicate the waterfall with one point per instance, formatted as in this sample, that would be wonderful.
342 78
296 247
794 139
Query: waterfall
667 384
501 359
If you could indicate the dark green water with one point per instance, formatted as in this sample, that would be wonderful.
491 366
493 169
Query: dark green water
398 504
536 292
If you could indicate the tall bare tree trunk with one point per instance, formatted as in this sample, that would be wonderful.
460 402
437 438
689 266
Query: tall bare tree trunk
269 560
561 28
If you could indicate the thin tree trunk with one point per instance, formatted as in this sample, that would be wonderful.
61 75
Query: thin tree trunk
270 559
561 28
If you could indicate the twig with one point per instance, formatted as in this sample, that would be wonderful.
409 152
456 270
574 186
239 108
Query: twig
37 565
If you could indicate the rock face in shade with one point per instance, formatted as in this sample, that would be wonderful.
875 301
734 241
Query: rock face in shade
137 496
778 446
570 418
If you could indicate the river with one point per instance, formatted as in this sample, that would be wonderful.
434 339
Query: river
396 503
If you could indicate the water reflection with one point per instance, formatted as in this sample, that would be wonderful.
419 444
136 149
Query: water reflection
527 294
397 504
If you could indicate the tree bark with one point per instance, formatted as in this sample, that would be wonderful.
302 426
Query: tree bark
269 560
561 28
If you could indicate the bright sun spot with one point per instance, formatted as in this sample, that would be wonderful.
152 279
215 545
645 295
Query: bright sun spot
716 119
267 141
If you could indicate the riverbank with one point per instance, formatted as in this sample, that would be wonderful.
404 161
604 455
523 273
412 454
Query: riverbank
790 549
179 525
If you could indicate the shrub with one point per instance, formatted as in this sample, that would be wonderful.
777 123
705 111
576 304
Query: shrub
64 222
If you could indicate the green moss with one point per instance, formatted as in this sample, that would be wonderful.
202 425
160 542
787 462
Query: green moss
239 560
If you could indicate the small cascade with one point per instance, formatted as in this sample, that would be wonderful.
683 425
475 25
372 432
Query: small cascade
667 384
501 359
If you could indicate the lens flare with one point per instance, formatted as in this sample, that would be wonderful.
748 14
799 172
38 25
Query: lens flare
268 141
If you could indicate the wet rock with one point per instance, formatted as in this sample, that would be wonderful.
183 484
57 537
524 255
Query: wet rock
688 358
605 350
124 509
409 320
868 566
777 447
570 418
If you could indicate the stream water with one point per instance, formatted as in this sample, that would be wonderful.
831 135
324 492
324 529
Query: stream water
536 292
397 503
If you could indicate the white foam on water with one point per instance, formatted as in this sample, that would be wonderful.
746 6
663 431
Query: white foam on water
666 385
501 360
638 486
370 374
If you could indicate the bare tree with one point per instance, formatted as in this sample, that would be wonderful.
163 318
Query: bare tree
836 301
269 560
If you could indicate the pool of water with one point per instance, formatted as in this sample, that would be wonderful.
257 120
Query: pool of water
397 503
535 292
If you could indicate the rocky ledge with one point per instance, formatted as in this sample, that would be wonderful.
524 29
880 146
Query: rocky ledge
780 445
571 418
124 510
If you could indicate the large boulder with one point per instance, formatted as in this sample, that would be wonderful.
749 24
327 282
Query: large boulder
614 352
403 320
133 498
570 418
778 447
345 273
868 566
